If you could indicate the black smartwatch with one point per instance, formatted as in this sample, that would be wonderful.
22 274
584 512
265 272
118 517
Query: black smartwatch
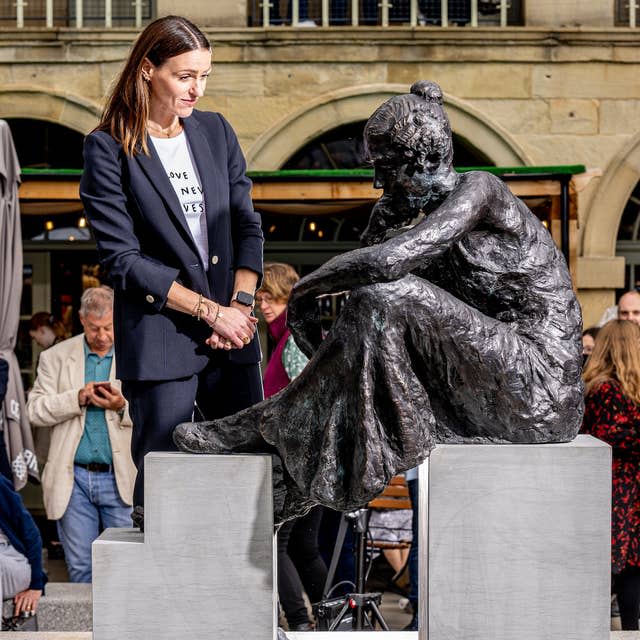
244 298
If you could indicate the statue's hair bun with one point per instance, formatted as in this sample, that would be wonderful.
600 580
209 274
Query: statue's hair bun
428 90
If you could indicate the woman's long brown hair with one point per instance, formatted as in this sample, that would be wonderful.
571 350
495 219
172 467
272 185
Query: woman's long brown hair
127 111
615 356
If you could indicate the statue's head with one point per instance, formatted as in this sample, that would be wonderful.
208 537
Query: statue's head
413 128
408 140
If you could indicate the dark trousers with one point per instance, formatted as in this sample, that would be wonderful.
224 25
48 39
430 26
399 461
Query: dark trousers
626 584
5 465
300 565
414 551
156 407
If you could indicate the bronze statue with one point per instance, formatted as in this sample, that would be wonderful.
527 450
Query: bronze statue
462 327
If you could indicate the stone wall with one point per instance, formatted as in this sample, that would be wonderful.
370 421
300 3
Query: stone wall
523 96
205 13
569 13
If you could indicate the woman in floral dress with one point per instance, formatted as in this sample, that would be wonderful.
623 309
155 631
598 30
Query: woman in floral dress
612 414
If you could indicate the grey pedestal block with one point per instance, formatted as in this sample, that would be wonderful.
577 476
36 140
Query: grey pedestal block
518 542
204 568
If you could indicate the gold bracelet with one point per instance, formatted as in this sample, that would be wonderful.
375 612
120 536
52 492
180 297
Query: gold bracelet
218 315
200 307
196 309
206 312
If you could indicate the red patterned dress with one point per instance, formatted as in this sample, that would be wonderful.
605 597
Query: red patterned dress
614 418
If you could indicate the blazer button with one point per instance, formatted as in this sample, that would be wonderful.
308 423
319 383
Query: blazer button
214 259
150 299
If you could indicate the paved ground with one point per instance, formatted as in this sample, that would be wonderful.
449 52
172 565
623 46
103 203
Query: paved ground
392 635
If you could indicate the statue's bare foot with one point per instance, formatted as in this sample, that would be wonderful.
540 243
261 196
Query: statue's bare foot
238 433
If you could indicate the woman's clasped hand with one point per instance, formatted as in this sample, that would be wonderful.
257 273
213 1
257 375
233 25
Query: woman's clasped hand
233 328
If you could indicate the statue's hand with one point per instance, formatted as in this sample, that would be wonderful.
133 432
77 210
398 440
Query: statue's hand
387 215
303 318
376 229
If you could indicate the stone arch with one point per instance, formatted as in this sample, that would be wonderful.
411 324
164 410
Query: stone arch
272 149
68 110
603 216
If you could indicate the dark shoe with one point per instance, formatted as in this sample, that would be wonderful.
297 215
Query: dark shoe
26 621
137 516
304 626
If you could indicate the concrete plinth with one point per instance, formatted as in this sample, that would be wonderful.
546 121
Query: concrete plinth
517 542
204 566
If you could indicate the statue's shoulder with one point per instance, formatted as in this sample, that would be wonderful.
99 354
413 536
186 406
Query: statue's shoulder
477 177
481 186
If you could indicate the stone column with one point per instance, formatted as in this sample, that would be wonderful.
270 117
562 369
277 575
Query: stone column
204 568
517 541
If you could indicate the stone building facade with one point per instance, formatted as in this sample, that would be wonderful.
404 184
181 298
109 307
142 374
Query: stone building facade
562 89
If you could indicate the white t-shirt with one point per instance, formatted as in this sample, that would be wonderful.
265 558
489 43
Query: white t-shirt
176 158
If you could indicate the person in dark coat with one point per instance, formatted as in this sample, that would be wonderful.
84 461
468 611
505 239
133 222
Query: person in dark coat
21 575
612 414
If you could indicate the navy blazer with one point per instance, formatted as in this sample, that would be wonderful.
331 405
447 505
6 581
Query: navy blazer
145 244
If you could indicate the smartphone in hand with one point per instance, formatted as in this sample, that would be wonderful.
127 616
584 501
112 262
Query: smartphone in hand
103 385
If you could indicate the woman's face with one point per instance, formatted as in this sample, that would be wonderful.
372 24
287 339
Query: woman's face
44 336
269 307
587 344
177 84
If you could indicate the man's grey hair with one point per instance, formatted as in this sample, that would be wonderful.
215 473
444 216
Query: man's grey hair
97 301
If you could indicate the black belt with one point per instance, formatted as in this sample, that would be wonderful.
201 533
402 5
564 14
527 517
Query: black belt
101 467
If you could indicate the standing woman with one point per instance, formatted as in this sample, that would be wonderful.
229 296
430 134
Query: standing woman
165 191
612 414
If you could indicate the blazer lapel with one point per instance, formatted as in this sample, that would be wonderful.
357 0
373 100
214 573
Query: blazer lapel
75 365
158 177
208 171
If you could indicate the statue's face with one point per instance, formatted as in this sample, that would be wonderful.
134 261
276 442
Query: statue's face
398 173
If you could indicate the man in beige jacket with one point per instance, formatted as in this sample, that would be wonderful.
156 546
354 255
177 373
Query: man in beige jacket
88 478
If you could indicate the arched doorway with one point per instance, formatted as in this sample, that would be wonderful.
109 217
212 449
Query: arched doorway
295 130
608 238
42 144
628 241
343 148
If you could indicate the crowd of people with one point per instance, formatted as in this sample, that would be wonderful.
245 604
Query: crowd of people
165 190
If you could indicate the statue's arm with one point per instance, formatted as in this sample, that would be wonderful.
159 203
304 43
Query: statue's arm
464 209
393 259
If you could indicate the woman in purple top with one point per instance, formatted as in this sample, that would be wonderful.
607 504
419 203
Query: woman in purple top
299 562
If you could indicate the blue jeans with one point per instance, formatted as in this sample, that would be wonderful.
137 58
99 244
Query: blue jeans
95 504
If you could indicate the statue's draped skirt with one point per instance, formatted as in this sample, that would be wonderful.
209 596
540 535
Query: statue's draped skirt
405 366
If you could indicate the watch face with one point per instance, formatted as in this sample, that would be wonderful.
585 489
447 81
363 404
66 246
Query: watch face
244 298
